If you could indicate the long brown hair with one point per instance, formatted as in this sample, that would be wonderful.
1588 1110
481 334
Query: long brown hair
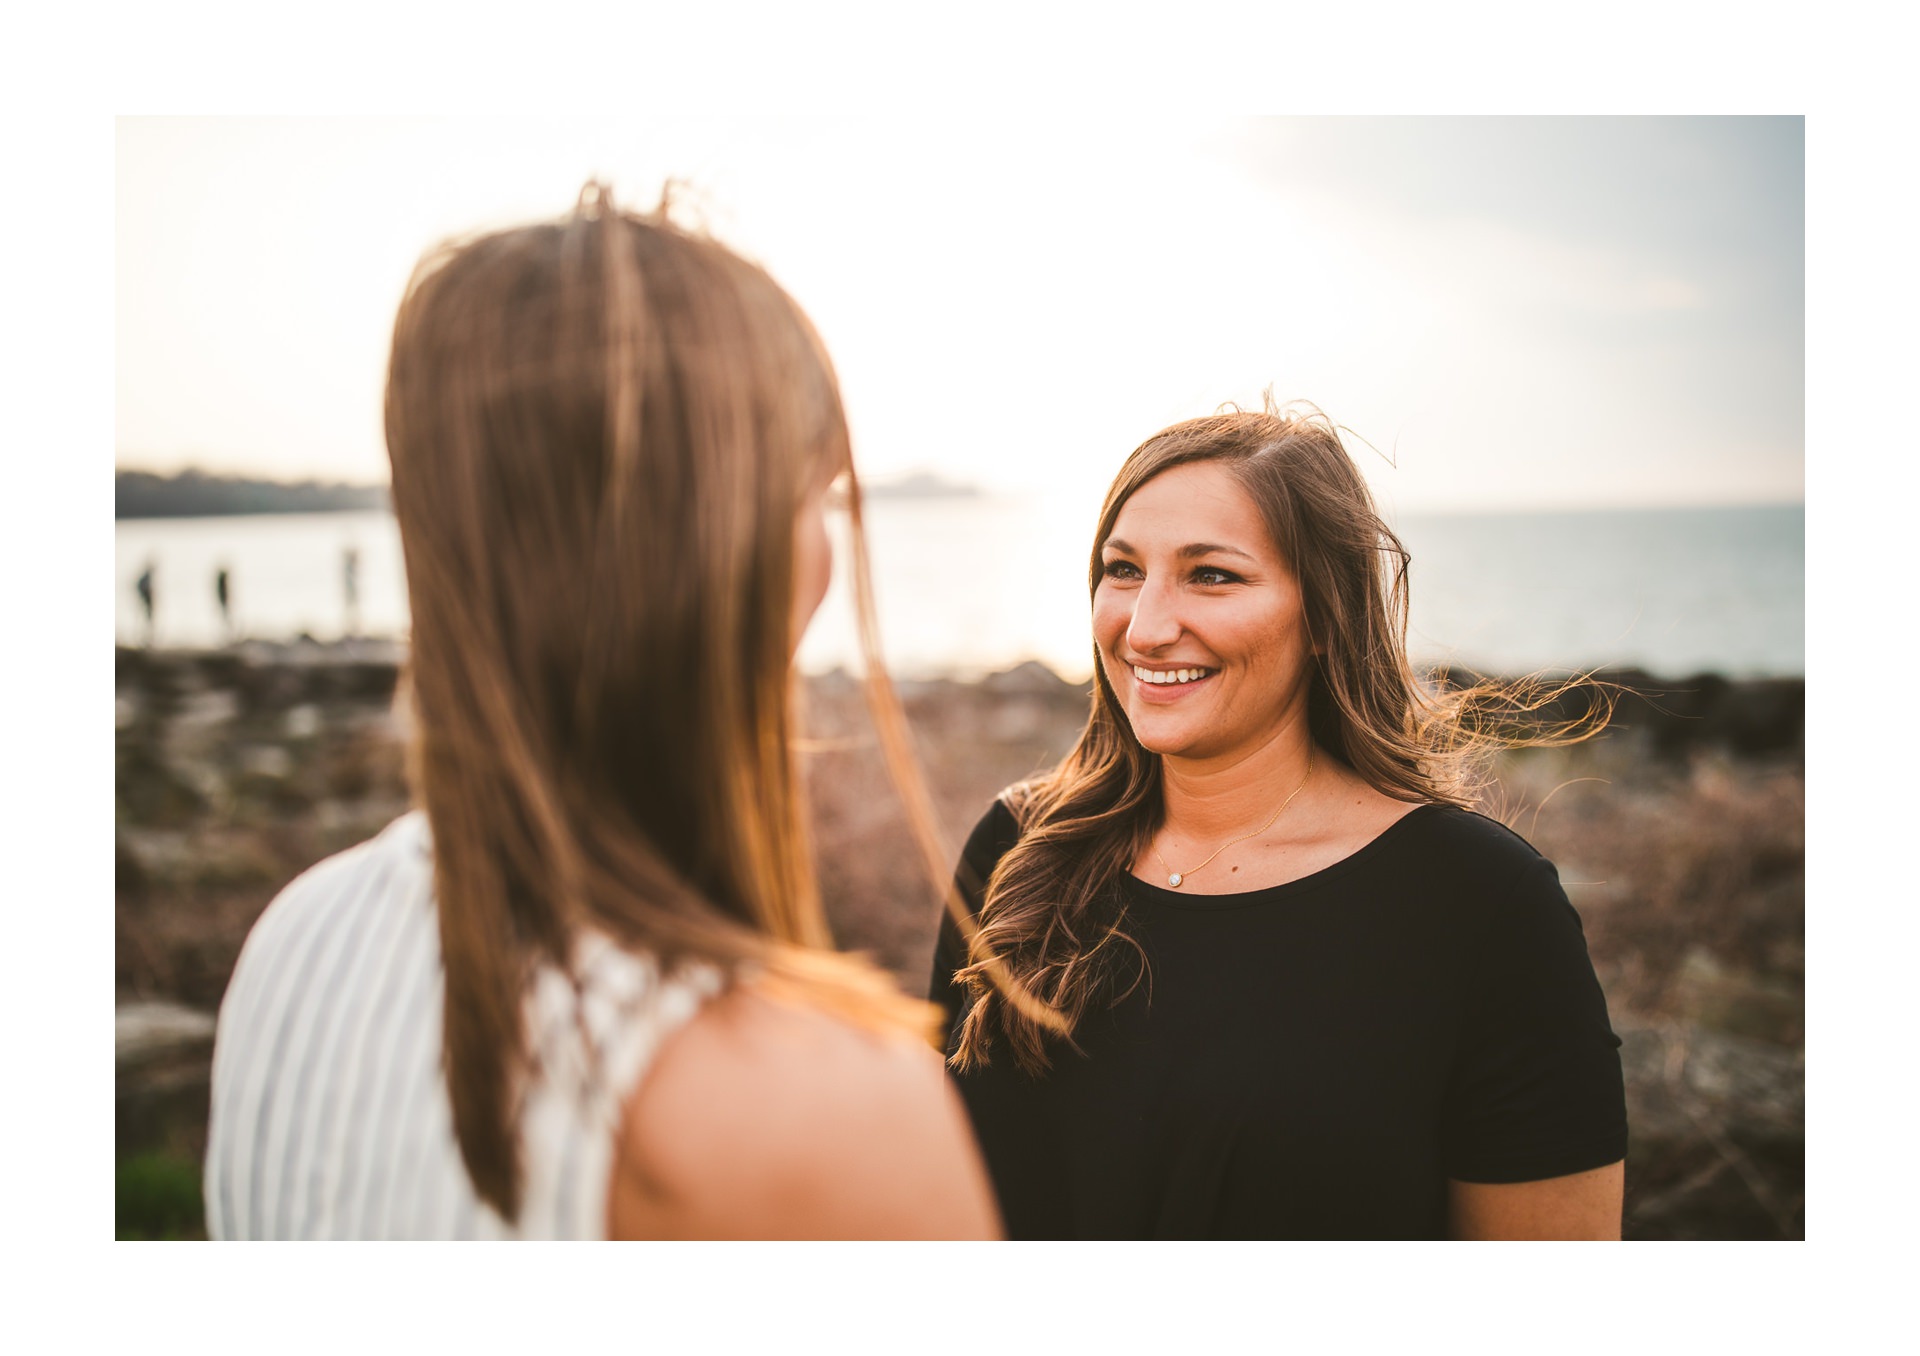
1052 914
601 429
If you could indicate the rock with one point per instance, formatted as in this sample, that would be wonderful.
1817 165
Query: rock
1715 995
202 710
836 681
146 1033
130 881
1031 678
1680 1070
1716 1125
266 760
156 853
362 680
1016 719
1762 716
148 789
1747 717
163 1069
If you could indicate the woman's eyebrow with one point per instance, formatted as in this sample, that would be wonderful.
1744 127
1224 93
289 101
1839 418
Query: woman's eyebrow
1209 548
1198 548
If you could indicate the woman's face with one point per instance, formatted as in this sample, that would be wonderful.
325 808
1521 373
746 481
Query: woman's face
1200 624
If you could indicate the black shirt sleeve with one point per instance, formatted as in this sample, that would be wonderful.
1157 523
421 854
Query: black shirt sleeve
1536 1089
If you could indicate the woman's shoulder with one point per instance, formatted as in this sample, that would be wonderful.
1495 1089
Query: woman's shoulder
1472 834
394 862
997 829
993 836
1010 808
1469 848
764 1118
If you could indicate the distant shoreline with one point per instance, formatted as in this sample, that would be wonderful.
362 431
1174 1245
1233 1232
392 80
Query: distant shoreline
144 495
196 494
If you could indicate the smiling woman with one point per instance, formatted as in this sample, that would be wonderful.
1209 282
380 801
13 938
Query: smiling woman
1310 992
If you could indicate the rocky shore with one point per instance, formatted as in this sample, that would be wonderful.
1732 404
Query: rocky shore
1679 834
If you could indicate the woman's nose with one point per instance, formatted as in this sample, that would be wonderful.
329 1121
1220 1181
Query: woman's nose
1156 622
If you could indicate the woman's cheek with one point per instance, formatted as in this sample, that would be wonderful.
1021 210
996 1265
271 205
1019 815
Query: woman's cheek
812 563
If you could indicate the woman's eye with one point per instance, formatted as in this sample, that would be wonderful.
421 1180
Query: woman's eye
1206 574
1120 569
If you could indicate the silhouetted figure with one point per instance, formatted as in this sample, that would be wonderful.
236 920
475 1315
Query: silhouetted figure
223 593
351 578
144 587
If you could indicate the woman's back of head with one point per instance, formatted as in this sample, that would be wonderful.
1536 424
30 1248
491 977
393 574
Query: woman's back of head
601 430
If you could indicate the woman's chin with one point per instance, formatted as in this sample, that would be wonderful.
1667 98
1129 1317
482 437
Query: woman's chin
1163 740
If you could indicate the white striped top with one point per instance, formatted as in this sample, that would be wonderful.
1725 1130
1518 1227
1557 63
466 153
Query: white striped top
330 1116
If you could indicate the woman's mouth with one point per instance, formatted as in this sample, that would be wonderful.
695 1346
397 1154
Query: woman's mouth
1170 677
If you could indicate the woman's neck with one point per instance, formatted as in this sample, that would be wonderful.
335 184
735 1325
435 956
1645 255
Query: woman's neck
1213 798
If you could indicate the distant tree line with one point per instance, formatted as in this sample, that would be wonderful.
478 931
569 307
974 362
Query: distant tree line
195 494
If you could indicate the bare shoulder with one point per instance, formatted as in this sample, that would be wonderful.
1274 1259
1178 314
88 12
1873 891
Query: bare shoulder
764 1119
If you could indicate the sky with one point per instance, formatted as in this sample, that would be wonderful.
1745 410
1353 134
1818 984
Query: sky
1507 312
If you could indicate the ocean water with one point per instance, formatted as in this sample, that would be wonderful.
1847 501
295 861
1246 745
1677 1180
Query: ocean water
972 585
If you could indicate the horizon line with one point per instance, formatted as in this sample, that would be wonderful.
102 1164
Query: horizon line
1432 510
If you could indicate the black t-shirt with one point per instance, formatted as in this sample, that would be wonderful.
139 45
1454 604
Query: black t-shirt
1313 1060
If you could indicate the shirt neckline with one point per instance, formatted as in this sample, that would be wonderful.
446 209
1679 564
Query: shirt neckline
1160 894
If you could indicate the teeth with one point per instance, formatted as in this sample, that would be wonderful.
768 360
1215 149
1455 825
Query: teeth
1169 676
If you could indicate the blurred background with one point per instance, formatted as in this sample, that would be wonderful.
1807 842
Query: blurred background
1569 352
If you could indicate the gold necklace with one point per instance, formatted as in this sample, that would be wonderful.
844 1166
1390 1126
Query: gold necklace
1174 878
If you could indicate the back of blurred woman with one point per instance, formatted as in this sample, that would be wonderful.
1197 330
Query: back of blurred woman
586 990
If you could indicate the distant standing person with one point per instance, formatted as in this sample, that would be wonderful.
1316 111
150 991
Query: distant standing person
144 587
222 592
350 577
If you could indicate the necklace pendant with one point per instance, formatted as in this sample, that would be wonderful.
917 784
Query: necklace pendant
1175 879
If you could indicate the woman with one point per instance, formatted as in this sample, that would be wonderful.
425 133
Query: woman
1310 993
586 990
